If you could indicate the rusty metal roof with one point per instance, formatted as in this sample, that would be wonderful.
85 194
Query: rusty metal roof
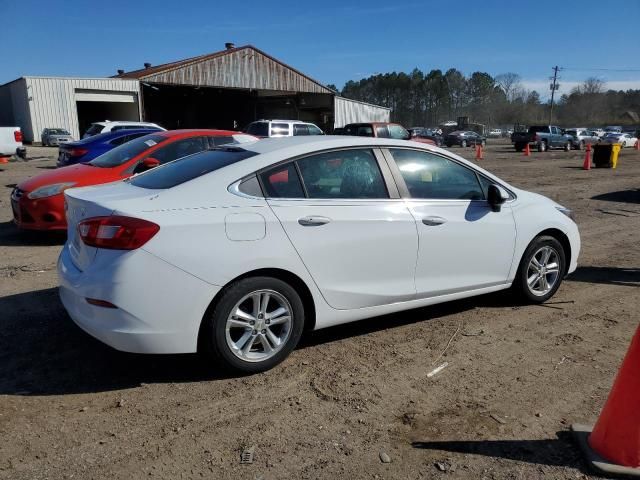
228 68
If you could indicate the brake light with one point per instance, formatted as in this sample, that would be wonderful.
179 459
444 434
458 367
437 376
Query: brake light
116 232
17 135
78 152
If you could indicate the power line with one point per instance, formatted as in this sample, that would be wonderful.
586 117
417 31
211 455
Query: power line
585 69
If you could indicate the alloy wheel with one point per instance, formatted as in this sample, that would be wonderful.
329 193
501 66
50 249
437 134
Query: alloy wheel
543 271
259 325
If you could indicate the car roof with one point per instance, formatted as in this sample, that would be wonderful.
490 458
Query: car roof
122 122
280 120
192 132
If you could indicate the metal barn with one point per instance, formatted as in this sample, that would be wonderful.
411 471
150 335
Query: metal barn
226 89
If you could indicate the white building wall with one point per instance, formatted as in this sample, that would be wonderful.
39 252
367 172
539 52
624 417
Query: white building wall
52 101
352 111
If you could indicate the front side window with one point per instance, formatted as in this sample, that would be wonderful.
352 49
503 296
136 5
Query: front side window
343 174
313 130
398 132
300 129
431 176
259 129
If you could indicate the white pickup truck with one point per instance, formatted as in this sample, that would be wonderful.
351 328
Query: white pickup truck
11 142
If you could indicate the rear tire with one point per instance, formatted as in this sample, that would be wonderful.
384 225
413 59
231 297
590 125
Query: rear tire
243 334
519 147
538 280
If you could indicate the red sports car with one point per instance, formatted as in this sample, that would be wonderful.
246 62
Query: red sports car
38 203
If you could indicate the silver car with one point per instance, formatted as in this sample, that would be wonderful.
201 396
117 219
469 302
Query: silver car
55 136
581 137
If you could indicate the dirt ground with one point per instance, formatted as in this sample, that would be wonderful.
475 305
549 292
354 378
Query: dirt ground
517 376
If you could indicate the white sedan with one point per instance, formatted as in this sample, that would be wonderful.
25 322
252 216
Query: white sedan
624 139
236 251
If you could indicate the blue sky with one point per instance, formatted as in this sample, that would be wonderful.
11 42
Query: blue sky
331 41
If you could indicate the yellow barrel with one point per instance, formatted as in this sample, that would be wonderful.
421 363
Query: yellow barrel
615 150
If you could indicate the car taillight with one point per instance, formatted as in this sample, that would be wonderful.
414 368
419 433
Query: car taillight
77 152
116 232
17 135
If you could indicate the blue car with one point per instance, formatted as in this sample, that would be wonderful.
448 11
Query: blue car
85 150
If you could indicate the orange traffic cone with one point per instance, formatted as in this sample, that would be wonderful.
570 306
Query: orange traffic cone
587 158
527 151
613 446
4 159
479 152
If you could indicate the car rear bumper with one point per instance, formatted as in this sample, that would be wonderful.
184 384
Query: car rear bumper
159 307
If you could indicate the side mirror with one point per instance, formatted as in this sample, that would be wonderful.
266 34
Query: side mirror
150 162
496 196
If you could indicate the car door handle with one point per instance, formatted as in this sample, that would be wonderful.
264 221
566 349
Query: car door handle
313 221
433 221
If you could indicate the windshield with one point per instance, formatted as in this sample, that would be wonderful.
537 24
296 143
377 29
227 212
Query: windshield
58 131
187 168
126 151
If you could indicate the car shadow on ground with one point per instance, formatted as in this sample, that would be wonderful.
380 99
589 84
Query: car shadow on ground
11 236
42 352
629 277
47 168
623 196
557 452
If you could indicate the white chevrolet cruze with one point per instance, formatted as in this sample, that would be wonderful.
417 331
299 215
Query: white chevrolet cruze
236 251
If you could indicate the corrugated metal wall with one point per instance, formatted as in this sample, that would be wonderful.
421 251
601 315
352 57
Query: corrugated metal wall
351 111
53 102
245 68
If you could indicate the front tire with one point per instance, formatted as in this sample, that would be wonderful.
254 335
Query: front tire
567 147
463 144
542 146
541 270
255 325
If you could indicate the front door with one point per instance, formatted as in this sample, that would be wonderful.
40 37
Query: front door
464 245
359 245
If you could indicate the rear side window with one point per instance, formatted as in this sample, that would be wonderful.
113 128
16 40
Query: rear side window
382 131
343 174
188 168
282 182
279 129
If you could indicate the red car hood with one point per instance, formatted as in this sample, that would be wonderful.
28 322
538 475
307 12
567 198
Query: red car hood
82 175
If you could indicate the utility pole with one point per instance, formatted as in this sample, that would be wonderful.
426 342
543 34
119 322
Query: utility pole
554 86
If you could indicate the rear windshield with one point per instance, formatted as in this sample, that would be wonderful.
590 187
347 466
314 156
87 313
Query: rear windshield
188 168
538 129
125 152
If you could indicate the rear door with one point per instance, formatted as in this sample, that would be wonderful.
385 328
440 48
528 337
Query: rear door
344 217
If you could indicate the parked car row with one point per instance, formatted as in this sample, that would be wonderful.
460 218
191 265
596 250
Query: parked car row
545 137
